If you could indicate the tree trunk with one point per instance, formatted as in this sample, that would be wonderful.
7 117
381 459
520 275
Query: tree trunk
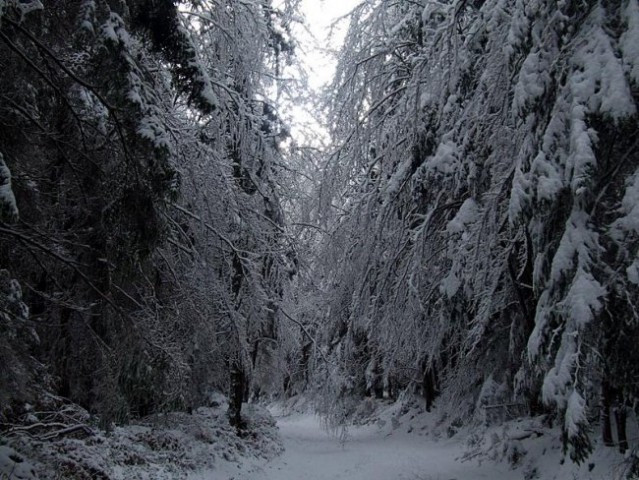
236 394
236 372
378 390
63 353
620 419
392 391
429 387
606 401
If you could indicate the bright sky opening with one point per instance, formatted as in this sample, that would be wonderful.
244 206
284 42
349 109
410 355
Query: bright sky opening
317 52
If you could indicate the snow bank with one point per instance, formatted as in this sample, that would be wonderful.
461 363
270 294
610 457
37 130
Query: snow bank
437 446
164 446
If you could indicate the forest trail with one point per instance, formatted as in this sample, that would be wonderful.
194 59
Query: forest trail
368 454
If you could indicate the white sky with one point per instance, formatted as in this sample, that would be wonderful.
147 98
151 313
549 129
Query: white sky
320 14
314 52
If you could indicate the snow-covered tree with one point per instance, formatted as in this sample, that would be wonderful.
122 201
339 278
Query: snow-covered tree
144 157
479 202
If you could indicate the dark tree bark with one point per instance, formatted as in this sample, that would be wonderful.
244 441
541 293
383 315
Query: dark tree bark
378 389
63 353
392 388
606 402
429 385
621 415
236 393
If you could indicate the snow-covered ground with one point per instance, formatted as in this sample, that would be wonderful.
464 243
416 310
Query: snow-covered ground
311 454
173 446
406 444
397 441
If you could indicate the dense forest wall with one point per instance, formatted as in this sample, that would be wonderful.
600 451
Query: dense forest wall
481 209
142 243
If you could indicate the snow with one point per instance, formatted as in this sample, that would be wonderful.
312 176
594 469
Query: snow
541 316
401 441
160 447
467 214
581 160
556 388
26 6
491 393
370 452
152 129
572 263
202 77
114 30
445 159
584 298
451 283
519 195
578 240
599 81
547 176
387 441
629 41
87 15
451 104
150 124
519 25
633 272
575 414
629 221
534 78
397 180
8 207
15 464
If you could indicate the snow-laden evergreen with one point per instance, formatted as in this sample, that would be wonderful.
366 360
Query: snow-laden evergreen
479 205
141 145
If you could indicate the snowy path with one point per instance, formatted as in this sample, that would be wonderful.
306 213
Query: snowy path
368 454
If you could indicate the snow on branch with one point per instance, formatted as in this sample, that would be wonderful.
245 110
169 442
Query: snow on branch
8 206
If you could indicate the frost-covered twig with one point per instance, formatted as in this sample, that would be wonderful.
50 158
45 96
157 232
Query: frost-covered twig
61 430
